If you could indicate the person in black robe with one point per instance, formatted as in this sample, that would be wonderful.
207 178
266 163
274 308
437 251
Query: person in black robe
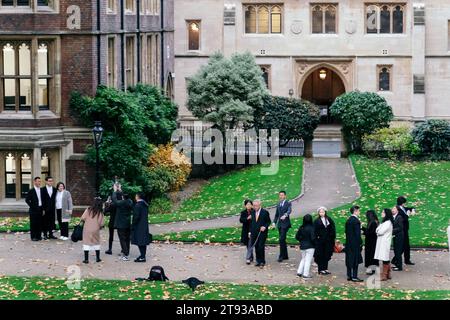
246 220
399 239
405 212
325 237
140 235
34 201
48 193
353 245
370 241
110 210
259 230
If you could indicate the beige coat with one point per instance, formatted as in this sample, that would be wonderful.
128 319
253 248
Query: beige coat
91 229
384 233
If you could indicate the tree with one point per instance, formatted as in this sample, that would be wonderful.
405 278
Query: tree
295 118
133 120
226 92
361 113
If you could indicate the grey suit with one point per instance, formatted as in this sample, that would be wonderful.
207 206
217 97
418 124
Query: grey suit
284 209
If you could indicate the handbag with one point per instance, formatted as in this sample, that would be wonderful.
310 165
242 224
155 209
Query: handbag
77 234
338 247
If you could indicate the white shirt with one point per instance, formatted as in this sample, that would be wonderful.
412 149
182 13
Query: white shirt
38 192
282 203
49 190
59 196
325 221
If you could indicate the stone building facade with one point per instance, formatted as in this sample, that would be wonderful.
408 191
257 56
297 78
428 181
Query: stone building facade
50 48
320 49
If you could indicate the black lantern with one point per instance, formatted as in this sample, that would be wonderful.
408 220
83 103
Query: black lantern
98 136
98 133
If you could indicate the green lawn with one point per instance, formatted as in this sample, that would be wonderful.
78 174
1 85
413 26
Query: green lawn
426 184
38 288
224 195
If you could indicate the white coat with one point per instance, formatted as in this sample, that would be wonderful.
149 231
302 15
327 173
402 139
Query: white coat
383 248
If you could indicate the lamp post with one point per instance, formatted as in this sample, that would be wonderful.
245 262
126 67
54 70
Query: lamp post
98 136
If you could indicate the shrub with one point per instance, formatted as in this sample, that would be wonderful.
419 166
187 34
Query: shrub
132 120
161 205
390 142
168 170
295 118
361 113
433 138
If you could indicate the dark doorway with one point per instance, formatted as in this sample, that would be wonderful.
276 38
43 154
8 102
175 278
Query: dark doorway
322 87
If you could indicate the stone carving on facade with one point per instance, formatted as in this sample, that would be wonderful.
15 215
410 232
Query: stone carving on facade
303 68
297 27
344 67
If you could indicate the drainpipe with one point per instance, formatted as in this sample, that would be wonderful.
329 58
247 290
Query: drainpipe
138 41
162 43
122 45
99 68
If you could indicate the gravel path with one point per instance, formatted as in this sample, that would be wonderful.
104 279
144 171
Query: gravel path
218 263
327 182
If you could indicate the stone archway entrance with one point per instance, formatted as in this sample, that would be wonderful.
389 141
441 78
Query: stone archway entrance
321 87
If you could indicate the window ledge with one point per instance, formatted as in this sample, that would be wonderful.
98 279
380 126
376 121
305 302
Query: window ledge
266 35
22 115
335 35
390 35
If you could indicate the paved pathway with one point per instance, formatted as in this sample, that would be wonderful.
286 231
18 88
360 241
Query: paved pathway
218 263
327 182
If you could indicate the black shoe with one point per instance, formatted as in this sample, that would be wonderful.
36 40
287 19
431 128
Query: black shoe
357 280
98 260
258 264
86 261
299 275
280 260
108 252
410 263
140 259
349 279
35 239
52 237
248 262
397 269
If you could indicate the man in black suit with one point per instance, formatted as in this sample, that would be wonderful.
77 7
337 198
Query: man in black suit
405 212
399 238
34 201
353 245
283 222
48 204
259 230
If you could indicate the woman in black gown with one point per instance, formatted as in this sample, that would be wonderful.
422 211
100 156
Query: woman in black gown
246 219
370 242
325 233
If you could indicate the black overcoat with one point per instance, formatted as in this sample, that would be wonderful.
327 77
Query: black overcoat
370 243
353 242
324 240
245 226
140 235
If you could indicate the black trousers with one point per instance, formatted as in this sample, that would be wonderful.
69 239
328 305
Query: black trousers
63 226
260 247
283 245
111 237
124 237
36 225
407 248
322 265
48 222
398 250
142 251
352 272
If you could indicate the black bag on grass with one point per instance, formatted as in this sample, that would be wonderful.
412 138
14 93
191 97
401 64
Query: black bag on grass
157 274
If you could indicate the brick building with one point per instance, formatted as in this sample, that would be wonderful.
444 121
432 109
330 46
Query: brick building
50 48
